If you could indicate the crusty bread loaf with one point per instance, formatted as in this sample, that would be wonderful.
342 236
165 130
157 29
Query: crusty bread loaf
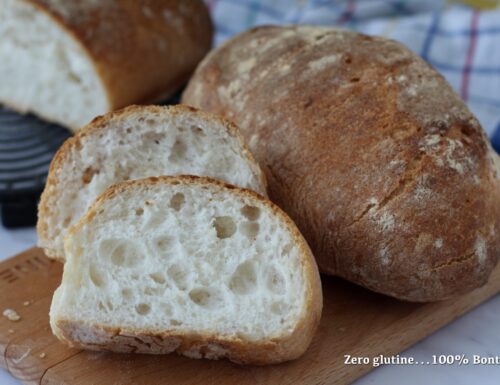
191 265
134 143
384 169
69 61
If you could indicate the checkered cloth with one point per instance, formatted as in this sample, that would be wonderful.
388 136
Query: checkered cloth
460 42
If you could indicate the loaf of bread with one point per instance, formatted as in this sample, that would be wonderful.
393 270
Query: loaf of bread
191 265
134 143
384 169
69 61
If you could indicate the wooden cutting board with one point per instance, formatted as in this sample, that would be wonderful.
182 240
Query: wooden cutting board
355 321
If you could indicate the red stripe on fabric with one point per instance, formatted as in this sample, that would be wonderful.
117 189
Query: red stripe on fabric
464 90
347 14
211 5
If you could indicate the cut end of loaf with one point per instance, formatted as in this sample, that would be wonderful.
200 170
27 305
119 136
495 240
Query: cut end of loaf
44 69
134 143
203 269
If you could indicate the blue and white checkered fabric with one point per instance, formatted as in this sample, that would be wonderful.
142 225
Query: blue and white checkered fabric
460 42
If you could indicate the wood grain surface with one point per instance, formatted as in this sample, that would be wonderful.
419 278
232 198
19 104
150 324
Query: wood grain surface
355 321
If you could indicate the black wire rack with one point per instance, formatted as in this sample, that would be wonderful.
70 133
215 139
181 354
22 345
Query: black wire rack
27 145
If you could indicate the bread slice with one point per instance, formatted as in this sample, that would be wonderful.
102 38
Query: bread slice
192 265
69 61
134 143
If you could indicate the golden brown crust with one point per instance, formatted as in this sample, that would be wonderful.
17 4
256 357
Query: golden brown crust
278 349
381 165
51 192
142 50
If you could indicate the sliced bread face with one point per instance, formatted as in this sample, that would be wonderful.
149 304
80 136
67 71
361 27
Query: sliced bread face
191 265
134 143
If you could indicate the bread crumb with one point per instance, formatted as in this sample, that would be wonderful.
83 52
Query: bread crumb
453 159
411 91
480 249
11 331
147 12
11 315
384 256
171 19
42 355
386 221
246 65
453 154
432 140
424 241
438 244
284 69
325 61
26 303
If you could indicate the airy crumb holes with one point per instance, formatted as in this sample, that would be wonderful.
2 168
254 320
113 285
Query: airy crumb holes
177 201
159 278
275 281
179 150
125 254
249 229
252 213
96 276
142 309
244 279
278 308
179 275
197 130
204 297
126 294
225 227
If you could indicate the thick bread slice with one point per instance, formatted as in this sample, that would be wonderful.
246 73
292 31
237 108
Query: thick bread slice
385 170
69 61
134 143
192 265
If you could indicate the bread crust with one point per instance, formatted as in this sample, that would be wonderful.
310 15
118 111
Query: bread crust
280 348
142 51
52 191
384 169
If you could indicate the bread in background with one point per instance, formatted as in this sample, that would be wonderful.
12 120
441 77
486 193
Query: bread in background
69 61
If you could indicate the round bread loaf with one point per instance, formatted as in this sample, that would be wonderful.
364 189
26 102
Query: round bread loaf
386 172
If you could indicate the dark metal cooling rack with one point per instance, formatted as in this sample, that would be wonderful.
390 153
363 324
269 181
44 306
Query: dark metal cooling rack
27 145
